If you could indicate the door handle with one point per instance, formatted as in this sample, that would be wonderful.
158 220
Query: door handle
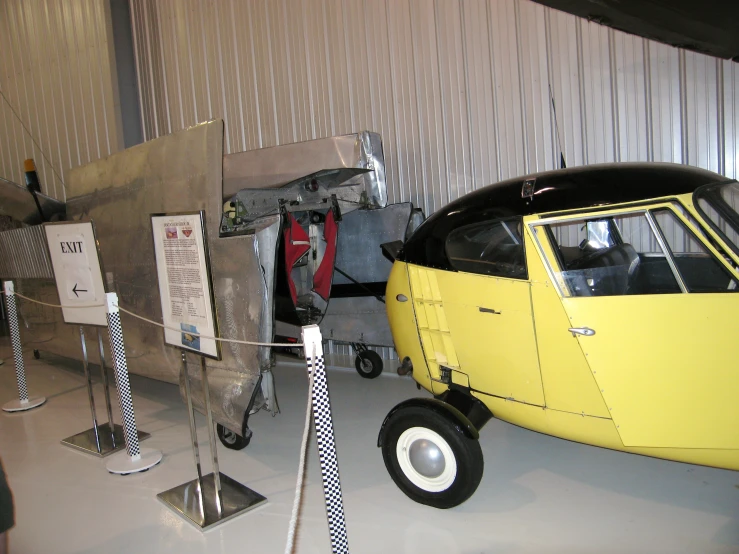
488 311
584 331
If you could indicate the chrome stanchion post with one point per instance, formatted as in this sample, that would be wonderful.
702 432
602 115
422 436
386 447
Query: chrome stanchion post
217 497
106 388
212 438
90 394
135 458
193 433
24 402
93 441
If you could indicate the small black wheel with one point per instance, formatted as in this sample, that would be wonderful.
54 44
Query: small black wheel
231 440
368 364
430 459
36 354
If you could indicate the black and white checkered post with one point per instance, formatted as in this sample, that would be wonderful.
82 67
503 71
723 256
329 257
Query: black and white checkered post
135 458
24 402
313 347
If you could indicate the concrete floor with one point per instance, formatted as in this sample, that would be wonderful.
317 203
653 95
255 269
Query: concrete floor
538 494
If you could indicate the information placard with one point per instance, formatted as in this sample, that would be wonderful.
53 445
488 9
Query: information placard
185 282
79 280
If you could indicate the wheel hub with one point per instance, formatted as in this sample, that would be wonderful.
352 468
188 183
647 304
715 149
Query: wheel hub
229 436
426 458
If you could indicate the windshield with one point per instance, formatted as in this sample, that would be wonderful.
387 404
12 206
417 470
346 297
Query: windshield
718 203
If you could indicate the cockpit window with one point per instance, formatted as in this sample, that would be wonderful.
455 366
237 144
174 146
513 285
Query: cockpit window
488 248
719 204
646 252
699 269
611 256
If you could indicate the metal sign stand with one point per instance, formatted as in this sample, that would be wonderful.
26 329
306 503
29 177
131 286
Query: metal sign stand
98 441
135 459
214 498
23 403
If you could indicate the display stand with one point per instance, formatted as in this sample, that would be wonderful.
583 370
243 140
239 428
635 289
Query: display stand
214 498
24 402
135 459
99 440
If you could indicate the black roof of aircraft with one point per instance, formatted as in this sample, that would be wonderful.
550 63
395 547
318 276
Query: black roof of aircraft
708 26
558 190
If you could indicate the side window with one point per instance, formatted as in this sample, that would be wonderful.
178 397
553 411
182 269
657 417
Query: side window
611 256
700 271
488 248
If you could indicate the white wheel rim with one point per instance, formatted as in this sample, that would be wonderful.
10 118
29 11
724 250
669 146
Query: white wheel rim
436 483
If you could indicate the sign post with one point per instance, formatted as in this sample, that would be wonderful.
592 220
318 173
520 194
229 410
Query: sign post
79 281
186 294
23 403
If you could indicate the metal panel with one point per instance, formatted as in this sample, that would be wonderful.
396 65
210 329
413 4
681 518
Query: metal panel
24 255
460 91
59 90
180 172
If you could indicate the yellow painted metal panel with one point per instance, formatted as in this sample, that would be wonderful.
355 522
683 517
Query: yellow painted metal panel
598 432
403 323
568 382
666 366
497 350
437 343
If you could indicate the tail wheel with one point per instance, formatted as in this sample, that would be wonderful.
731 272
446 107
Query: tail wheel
231 440
368 364
430 459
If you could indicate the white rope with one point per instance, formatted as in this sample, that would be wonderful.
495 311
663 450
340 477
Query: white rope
19 295
301 465
132 314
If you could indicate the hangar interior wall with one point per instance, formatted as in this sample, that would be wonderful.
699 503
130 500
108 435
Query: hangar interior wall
58 101
461 92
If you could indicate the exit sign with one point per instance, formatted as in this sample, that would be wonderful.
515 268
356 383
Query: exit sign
79 280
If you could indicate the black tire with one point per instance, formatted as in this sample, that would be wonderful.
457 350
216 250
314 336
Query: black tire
368 364
231 440
36 354
451 486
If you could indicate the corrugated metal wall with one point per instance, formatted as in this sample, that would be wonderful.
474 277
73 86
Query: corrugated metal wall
459 90
58 103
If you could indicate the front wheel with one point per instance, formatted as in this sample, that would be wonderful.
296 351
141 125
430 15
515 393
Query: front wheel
231 440
430 459
368 364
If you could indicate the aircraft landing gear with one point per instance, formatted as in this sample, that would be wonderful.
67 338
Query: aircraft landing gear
368 362
231 440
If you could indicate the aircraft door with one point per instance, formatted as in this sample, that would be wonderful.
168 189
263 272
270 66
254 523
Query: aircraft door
488 309
652 308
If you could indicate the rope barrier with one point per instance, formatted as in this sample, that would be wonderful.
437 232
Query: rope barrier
132 314
301 465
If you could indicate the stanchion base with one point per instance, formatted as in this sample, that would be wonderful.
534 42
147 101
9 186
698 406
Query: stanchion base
123 464
201 511
18 406
85 440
